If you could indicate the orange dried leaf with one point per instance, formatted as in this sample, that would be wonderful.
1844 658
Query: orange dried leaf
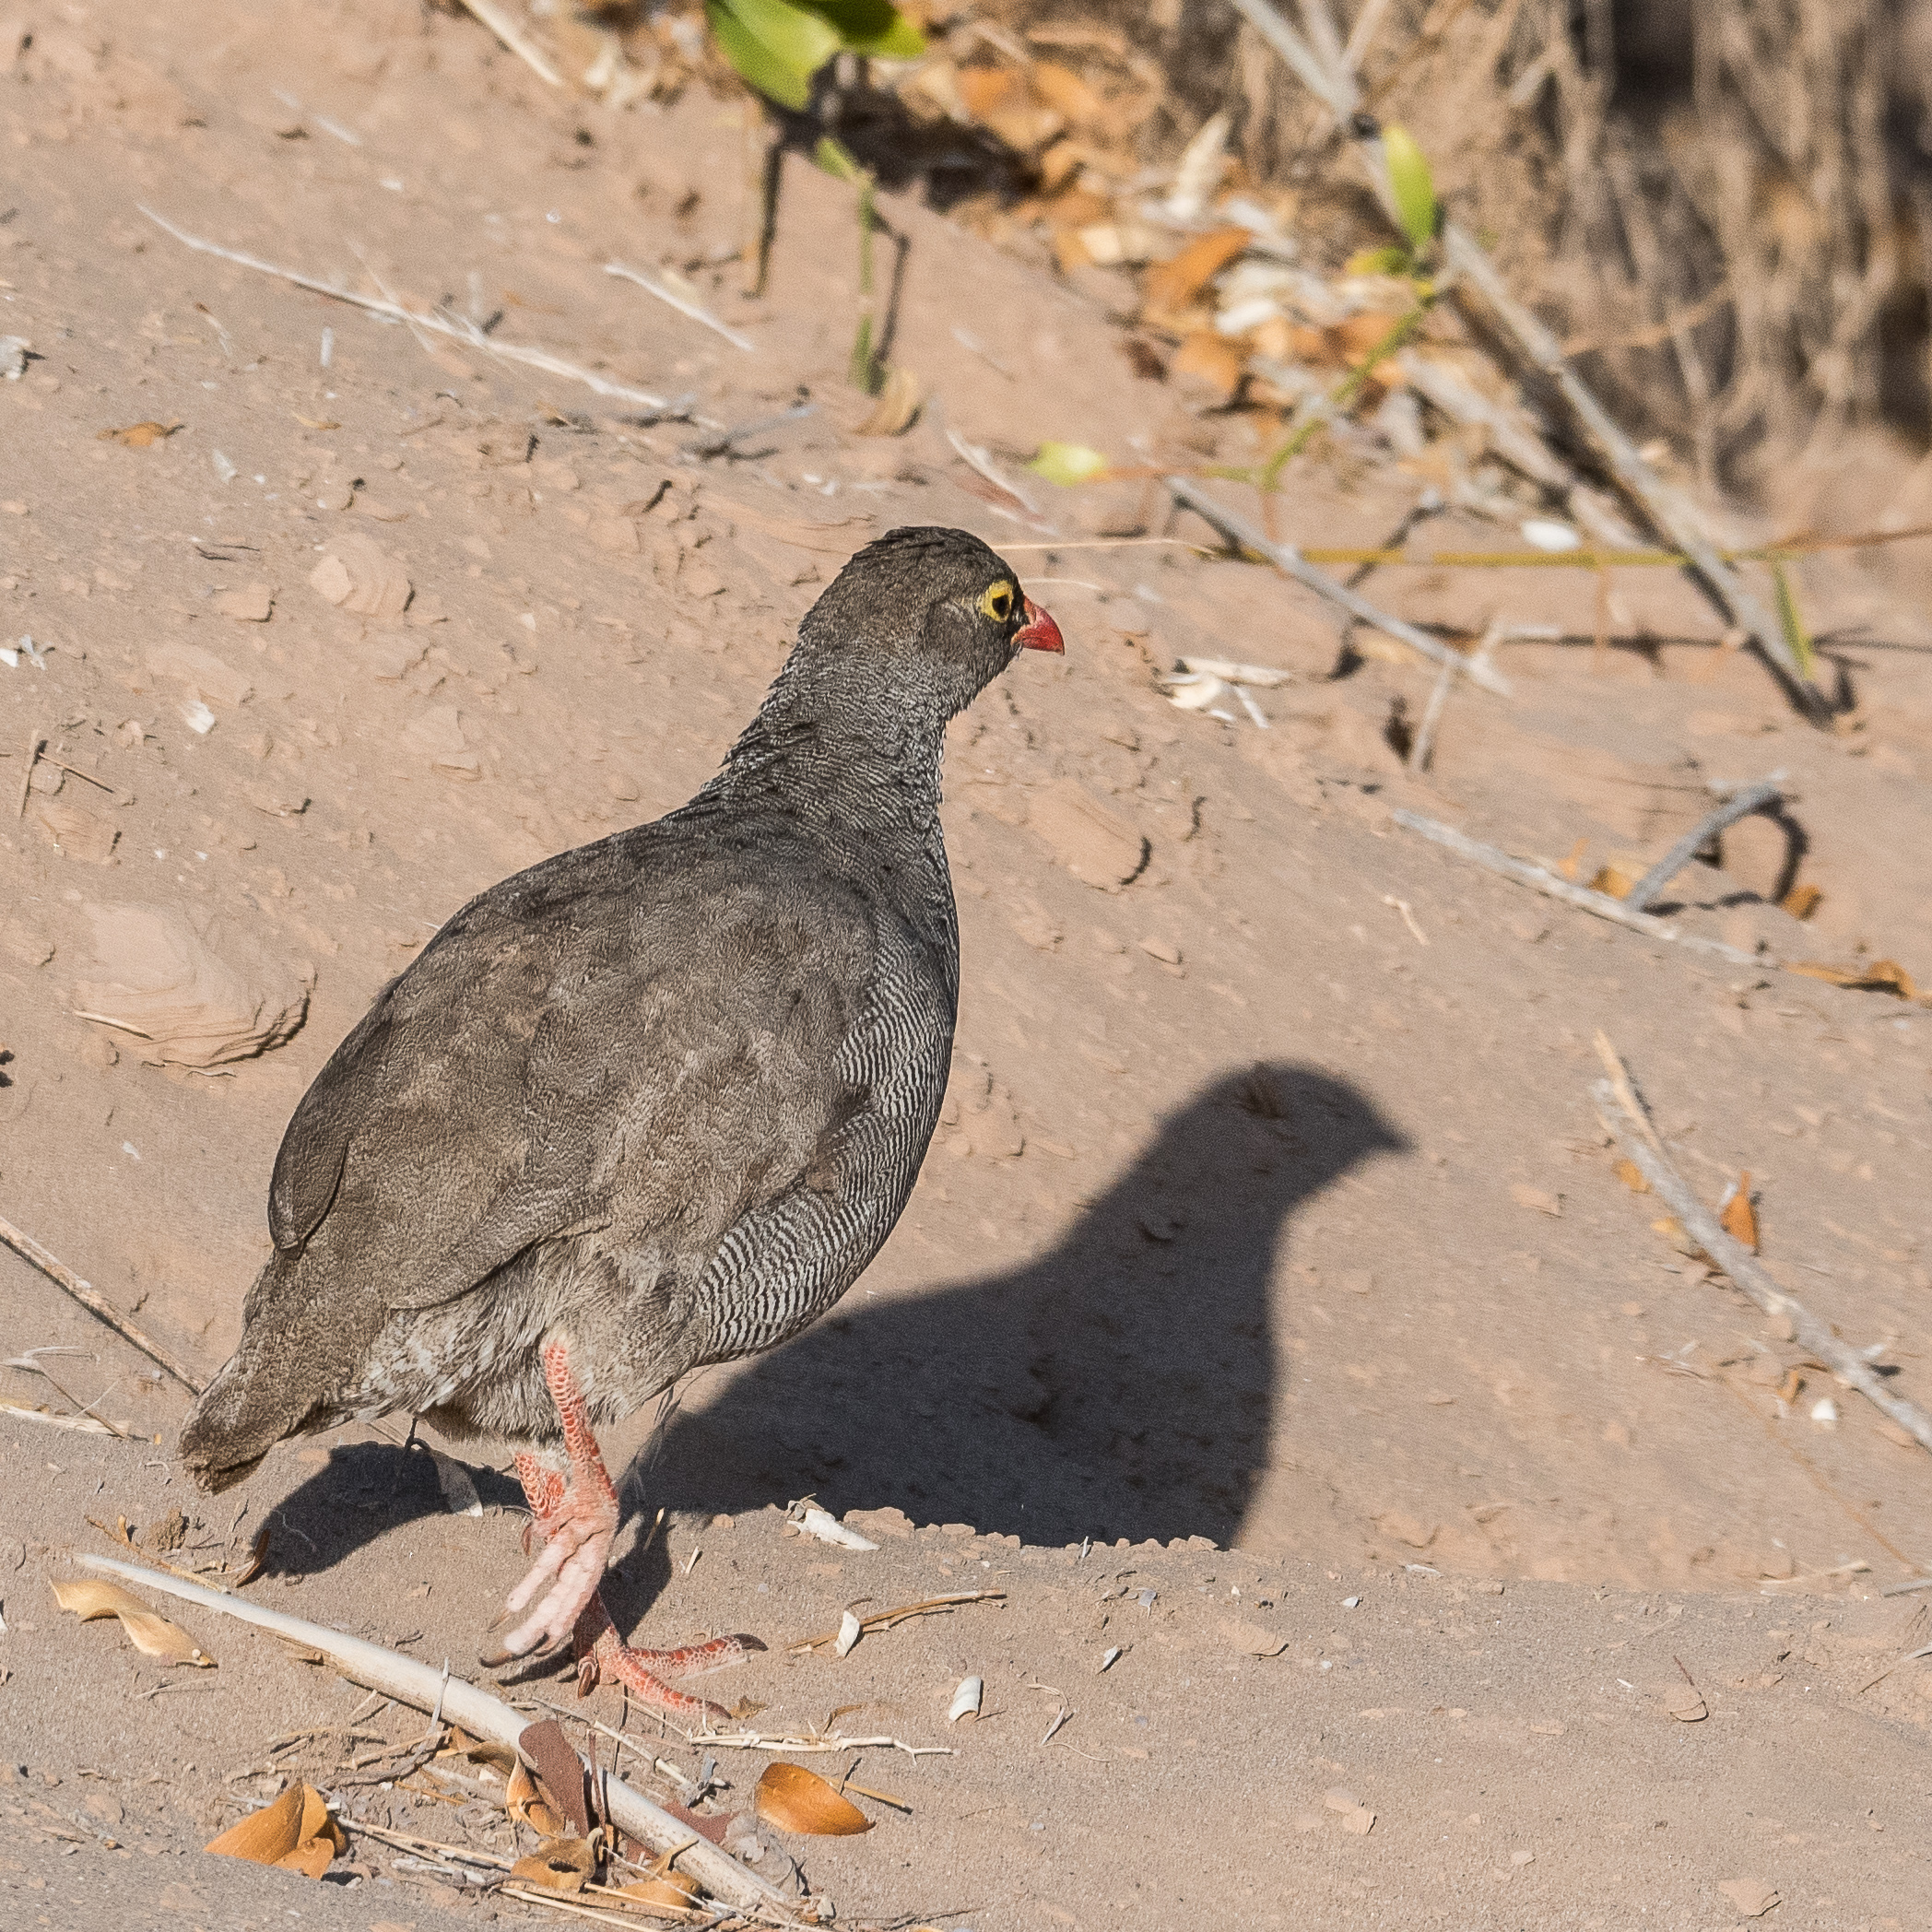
1801 902
1067 94
529 1804
149 1633
1212 357
558 1865
1880 976
1174 284
671 1888
792 1798
1631 1175
1358 336
267 1836
984 90
1740 1220
140 435
1571 866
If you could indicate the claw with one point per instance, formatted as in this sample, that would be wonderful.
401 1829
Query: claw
498 1654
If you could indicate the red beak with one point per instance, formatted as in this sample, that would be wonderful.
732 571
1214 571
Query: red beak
1039 632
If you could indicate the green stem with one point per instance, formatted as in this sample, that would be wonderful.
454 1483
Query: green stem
1346 390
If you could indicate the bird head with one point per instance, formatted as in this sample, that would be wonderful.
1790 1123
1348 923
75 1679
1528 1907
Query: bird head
935 611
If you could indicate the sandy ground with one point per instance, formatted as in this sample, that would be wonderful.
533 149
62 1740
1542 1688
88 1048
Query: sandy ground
1266 1215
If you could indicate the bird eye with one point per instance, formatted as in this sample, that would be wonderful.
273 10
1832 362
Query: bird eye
997 603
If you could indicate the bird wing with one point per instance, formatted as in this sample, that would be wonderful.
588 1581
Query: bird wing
618 1002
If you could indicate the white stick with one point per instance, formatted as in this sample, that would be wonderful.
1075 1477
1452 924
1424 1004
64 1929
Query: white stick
482 1716
682 303
506 29
458 327
1291 563
1496 860
86 1424
1736 1260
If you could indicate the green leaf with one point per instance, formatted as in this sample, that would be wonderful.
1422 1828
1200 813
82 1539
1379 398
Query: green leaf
1791 620
1379 261
1410 184
1068 462
871 27
837 159
774 45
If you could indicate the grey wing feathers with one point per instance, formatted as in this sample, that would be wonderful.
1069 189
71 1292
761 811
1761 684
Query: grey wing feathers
500 1091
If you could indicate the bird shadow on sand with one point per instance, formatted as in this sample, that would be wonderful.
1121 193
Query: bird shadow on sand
1124 1383
1127 1382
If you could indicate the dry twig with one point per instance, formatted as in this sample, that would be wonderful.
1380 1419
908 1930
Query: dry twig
1465 260
92 1300
482 1716
1739 804
673 298
1291 563
457 327
1494 859
1630 1131
497 19
885 1619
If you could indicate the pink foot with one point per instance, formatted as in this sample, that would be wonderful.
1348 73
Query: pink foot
603 1657
577 1516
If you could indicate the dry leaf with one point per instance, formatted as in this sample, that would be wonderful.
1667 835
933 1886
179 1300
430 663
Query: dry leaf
1801 902
295 1832
1880 976
559 1865
792 1798
1752 1897
527 1801
149 1633
140 435
1617 877
1218 361
1631 1175
671 1888
1740 1220
267 1836
1173 284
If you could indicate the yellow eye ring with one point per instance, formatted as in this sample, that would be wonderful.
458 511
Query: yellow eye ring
998 604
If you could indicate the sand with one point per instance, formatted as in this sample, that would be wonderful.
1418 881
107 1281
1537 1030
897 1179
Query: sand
1270 1251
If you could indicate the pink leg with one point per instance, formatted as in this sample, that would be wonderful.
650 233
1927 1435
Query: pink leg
576 1518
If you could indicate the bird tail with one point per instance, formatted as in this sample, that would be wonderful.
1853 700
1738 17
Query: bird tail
276 1384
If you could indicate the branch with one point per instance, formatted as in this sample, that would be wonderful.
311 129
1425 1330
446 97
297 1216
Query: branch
1739 804
482 1716
1291 563
95 1302
1670 1187
1495 859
